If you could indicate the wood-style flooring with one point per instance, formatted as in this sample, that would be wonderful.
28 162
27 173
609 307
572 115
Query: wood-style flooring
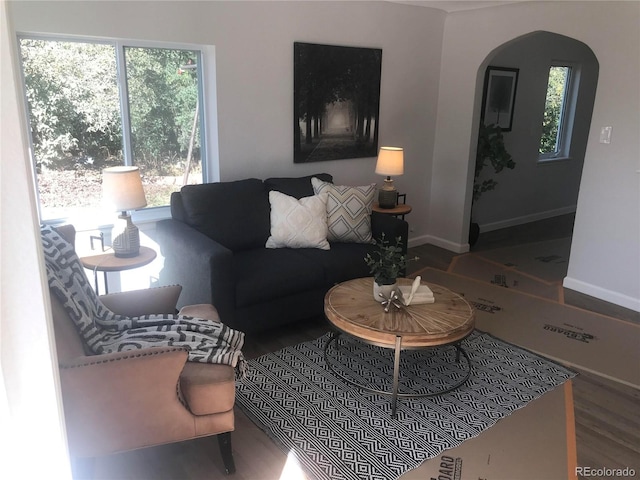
607 414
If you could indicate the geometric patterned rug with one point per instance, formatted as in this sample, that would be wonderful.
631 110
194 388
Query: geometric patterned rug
337 431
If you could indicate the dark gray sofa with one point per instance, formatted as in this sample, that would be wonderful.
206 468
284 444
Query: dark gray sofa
214 246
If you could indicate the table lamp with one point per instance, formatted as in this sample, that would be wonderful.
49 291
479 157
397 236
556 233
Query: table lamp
390 162
122 191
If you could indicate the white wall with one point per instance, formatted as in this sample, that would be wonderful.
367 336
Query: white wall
32 438
254 62
605 254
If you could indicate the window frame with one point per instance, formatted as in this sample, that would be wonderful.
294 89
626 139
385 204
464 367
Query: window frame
567 114
208 121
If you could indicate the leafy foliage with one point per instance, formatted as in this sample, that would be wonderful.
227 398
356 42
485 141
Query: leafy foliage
556 92
387 261
162 102
76 122
72 94
491 152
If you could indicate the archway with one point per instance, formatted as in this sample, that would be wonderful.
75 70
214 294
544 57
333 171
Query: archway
538 189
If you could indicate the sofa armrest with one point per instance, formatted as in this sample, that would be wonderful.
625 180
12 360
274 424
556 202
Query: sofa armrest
123 400
143 302
201 265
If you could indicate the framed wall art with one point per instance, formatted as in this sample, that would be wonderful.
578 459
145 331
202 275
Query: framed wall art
499 95
336 102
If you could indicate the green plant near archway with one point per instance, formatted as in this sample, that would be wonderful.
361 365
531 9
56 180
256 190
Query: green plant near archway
491 152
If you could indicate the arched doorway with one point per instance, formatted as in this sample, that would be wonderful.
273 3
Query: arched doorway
538 190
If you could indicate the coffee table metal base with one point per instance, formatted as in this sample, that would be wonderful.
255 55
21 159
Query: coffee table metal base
394 393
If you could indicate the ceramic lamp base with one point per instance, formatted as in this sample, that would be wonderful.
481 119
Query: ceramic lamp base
126 238
387 198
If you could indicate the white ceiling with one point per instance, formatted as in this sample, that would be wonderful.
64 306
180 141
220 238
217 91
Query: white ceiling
457 5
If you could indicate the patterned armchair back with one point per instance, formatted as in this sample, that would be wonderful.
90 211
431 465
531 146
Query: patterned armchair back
68 342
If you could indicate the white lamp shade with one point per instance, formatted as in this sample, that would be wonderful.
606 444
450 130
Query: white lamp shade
122 188
390 161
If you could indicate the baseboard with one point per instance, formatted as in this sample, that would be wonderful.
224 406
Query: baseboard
417 241
534 217
440 242
602 293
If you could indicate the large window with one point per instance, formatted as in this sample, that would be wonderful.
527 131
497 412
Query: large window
557 120
93 105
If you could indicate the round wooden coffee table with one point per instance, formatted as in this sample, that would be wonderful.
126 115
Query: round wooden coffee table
351 309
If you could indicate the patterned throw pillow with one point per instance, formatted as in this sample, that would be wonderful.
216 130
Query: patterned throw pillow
298 223
348 211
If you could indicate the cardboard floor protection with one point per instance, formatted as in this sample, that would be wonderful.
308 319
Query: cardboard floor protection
535 442
547 260
575 337
474 266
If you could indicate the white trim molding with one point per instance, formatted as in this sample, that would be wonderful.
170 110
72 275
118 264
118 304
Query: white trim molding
534 217
602 293
440 242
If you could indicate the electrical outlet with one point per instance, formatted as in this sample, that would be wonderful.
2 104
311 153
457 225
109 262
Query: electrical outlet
605 135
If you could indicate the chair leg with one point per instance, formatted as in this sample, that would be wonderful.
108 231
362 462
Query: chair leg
224 440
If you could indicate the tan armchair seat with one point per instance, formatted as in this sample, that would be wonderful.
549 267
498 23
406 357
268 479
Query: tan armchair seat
135 399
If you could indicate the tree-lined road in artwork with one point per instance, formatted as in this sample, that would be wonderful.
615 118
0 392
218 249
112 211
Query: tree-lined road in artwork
336 145
351 309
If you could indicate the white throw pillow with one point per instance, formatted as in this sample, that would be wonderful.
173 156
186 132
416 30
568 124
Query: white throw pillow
348 211
298 223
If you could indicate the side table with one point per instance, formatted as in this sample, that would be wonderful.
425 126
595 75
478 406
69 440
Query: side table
399 210
108 262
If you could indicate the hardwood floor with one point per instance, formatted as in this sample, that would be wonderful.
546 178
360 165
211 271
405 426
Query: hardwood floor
606 413
607 423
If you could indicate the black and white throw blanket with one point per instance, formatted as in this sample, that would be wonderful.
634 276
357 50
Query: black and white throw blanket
339 432
104 331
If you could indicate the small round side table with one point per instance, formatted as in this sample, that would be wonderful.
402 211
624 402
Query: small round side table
400 210
108 262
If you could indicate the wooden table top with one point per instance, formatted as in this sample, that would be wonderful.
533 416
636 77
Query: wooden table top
399 209
351 308
108 262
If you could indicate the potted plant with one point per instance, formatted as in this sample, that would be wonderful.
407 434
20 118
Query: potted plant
386 263
491 152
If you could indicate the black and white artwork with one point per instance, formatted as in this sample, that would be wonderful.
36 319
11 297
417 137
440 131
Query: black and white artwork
499 97
336 102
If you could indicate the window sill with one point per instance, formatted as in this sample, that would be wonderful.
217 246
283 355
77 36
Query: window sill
552 160
100 220
151 215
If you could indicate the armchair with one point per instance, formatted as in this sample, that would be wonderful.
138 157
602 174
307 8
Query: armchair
140 398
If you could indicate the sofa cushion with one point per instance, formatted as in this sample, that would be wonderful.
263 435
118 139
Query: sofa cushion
343 262
296 187
348 211
234 214
298 223
263 274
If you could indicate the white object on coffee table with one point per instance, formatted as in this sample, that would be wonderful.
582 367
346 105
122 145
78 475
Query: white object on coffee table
416 294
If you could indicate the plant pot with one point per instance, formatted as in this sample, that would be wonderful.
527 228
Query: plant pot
474 233
382 292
